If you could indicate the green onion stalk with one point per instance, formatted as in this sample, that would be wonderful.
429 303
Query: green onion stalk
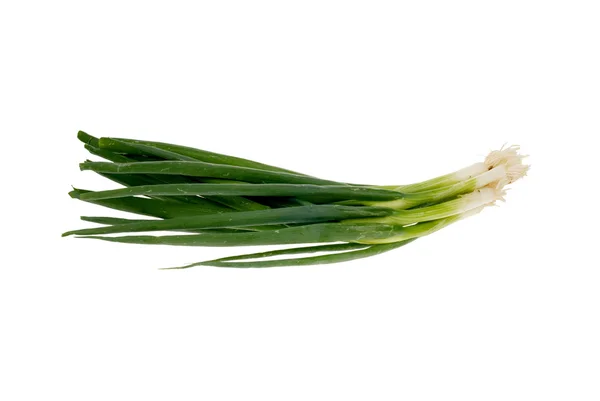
211 199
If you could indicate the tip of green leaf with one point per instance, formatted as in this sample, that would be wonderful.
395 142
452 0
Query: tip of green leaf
174 268
87 138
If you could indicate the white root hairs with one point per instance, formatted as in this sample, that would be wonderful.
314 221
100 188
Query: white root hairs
506 155
512 160
513 173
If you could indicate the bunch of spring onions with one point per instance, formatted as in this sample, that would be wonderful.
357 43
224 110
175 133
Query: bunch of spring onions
210 199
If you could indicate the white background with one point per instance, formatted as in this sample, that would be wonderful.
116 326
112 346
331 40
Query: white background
503 306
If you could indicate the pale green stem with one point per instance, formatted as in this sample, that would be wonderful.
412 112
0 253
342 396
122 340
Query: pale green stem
442 193
473 200
423 229
441 181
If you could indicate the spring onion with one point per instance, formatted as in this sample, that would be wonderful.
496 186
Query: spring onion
211 199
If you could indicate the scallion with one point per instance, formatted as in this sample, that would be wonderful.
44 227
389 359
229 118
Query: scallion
210 199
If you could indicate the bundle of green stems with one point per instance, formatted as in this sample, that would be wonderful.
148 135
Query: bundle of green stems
215 200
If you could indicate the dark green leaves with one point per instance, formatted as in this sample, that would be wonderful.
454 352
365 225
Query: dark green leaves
224 201
332 193
335 254
299 214
202 169
305 234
